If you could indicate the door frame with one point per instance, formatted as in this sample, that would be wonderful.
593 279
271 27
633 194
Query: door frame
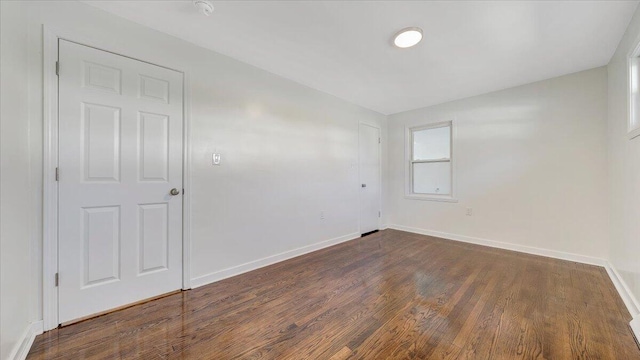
379 176
50 39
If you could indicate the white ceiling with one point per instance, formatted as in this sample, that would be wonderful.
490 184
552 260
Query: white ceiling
344 47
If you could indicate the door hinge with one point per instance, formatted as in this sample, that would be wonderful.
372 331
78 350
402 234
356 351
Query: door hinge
57 174
378 213
182 191
379 141
58 68
57 279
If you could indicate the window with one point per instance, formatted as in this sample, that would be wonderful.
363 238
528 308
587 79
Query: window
634 92
430 174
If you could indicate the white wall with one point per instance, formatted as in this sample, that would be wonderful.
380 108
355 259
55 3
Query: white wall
624 168
16 283
530 161
288 151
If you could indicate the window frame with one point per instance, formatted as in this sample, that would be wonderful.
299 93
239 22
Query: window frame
633 97
409 162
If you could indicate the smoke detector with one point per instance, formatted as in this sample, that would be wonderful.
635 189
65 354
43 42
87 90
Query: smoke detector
203 6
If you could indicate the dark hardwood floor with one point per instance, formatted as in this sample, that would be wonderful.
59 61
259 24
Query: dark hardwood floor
390 295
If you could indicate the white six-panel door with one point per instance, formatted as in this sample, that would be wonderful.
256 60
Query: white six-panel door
369 169
120 155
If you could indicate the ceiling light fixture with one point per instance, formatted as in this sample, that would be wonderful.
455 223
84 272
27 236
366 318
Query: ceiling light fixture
203 6
407 37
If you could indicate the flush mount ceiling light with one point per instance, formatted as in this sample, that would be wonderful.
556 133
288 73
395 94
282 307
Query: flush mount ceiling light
205 7
407 37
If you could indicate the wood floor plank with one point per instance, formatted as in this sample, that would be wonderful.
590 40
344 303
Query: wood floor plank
390 295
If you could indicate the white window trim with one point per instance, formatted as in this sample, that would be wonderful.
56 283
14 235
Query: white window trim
408 162
633 68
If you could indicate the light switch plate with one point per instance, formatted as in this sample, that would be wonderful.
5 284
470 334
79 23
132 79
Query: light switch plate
216 159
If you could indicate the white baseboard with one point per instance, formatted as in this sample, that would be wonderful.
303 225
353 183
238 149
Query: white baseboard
625 293
635 327
627 297
256 264
21 350
506 246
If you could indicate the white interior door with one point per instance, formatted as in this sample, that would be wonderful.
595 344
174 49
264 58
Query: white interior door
120 154
369 168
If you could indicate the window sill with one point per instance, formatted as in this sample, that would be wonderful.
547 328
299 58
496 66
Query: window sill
431 198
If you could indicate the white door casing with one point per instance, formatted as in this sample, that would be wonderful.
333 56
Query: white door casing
120 154
369 170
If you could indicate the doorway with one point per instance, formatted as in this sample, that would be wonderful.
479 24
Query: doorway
120 181
370 182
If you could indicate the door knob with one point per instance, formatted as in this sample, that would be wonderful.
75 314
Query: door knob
174 192
364 185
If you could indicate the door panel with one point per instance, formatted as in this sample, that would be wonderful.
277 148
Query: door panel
101 245
101 138
370 187
154 146
120 136
153 237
